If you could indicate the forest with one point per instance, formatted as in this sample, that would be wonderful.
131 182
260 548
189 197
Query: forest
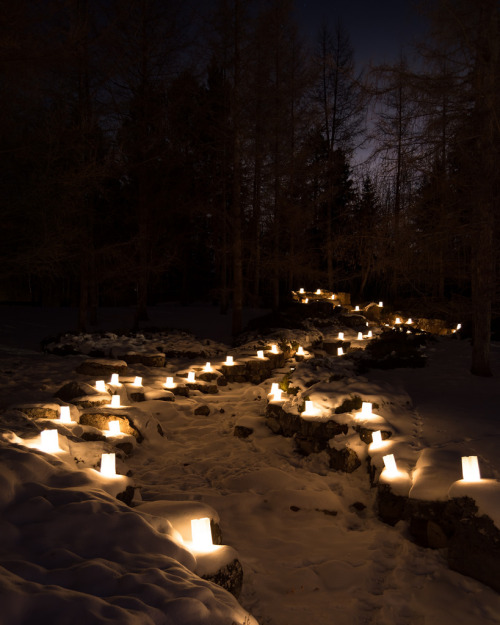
157 150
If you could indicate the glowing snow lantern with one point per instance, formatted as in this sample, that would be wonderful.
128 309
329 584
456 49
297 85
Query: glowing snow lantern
100 386
260 353
191 376
274 349
333 295
115 379
274 387
137 381
398 320
309 410
306 301
169 383
370 334
114 428
470 469
360 336
229 361
377 438
201 534
340 351
366 409
341 336
300 351
207 368
115 401
301 291
318 292
391 468
380 304
108 465
277 395
410 321
459 325
49 441
64 414
356 308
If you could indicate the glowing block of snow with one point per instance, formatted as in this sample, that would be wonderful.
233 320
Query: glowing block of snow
274 349
301 290
115 401
274 387
169 383
115 379
381 304
333 296
300 351
114 427
377 437
318 292
100 386
49 441
360 336
310 410
370 334
108 465
356 308
137 381
201 534
470 469
340 351
306 301
366 409
229 361
459 325
191 376
207 368
391 468
276 395
341 336
410 321
64 414
398 320
260 353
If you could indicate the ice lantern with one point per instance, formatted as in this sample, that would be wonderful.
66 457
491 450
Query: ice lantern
318 292
191 377
64 414
207 368
137 381
169 383
300 351
49 441
366 409
340 351
470 469
260 353
100 386
115 401
115 379
360 336
276 394
114 427
391 468
309 410
274 349
341 336
108 465
301 291
201 534
377 438
229 361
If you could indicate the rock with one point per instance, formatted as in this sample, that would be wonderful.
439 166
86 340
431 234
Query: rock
230 577
241 431
205 388
127 495
203 410
222 381
137 396
74 389
100 420
100 367
39 411
345 459
126 447
391 507
148 359
91 401
180 391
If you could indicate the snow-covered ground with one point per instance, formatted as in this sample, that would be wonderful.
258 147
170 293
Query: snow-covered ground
308 538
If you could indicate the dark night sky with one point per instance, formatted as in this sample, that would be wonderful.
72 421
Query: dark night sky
378 28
